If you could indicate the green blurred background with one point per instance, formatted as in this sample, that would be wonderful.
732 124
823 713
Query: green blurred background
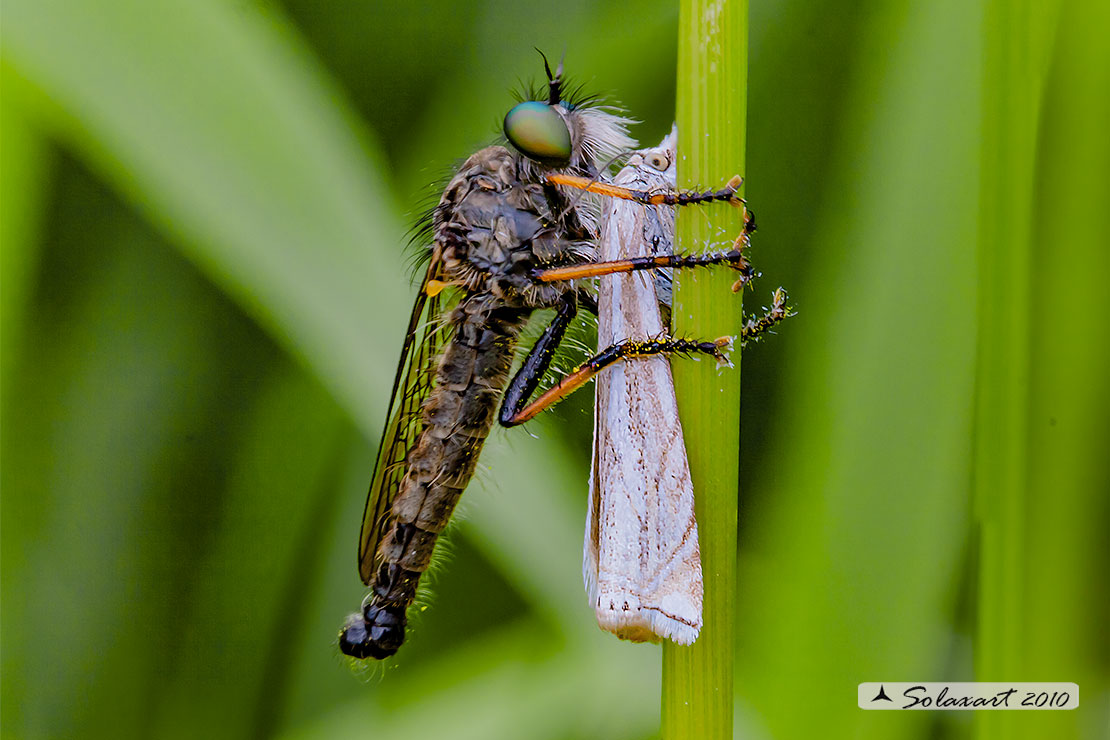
204 291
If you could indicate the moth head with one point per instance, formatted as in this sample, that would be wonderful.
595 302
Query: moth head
658 160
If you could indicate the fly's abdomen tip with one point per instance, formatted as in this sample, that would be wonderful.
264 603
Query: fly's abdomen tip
354 638
375 633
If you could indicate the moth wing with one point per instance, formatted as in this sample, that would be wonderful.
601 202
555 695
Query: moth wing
411 385
641 556
590 541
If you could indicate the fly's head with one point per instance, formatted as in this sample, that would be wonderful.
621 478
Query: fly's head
560 134
499 220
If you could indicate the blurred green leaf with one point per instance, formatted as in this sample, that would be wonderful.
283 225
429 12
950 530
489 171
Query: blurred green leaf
23 183
855 549
258 559
1044 358
138 378
218 126
513 685
1017 46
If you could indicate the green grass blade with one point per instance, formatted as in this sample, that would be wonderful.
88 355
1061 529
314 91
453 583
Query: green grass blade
712 82
221 129
1017 49
23 183
1043 383
855 536
1068 605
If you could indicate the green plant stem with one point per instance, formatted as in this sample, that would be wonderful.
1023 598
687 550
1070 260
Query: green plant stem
1016 49
697 696
1067 592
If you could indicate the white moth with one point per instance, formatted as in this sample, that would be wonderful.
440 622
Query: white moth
641 561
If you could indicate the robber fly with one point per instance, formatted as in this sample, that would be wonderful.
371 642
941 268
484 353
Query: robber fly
514 232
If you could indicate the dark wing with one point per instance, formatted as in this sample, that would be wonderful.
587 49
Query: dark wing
415 375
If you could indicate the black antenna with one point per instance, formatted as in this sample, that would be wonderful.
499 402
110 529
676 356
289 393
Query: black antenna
546 66
554 81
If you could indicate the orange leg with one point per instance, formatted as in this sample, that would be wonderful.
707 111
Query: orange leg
657 198
734 258
514 411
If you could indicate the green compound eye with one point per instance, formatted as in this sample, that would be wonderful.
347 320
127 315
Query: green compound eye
539 133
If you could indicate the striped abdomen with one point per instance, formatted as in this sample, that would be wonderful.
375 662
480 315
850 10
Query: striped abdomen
457 416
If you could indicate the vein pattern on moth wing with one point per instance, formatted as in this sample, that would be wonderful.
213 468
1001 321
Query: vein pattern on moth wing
641 562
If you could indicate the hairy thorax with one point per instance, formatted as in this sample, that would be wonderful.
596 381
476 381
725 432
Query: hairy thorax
495 228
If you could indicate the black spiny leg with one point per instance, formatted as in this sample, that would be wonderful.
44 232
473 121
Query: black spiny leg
539 357
734 258
653 197
513 410
756 326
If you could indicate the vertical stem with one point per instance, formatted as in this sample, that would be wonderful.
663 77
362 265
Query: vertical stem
697 696
1067 592
1017 43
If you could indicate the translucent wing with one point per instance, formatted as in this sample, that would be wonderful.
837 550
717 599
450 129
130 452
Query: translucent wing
415 375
